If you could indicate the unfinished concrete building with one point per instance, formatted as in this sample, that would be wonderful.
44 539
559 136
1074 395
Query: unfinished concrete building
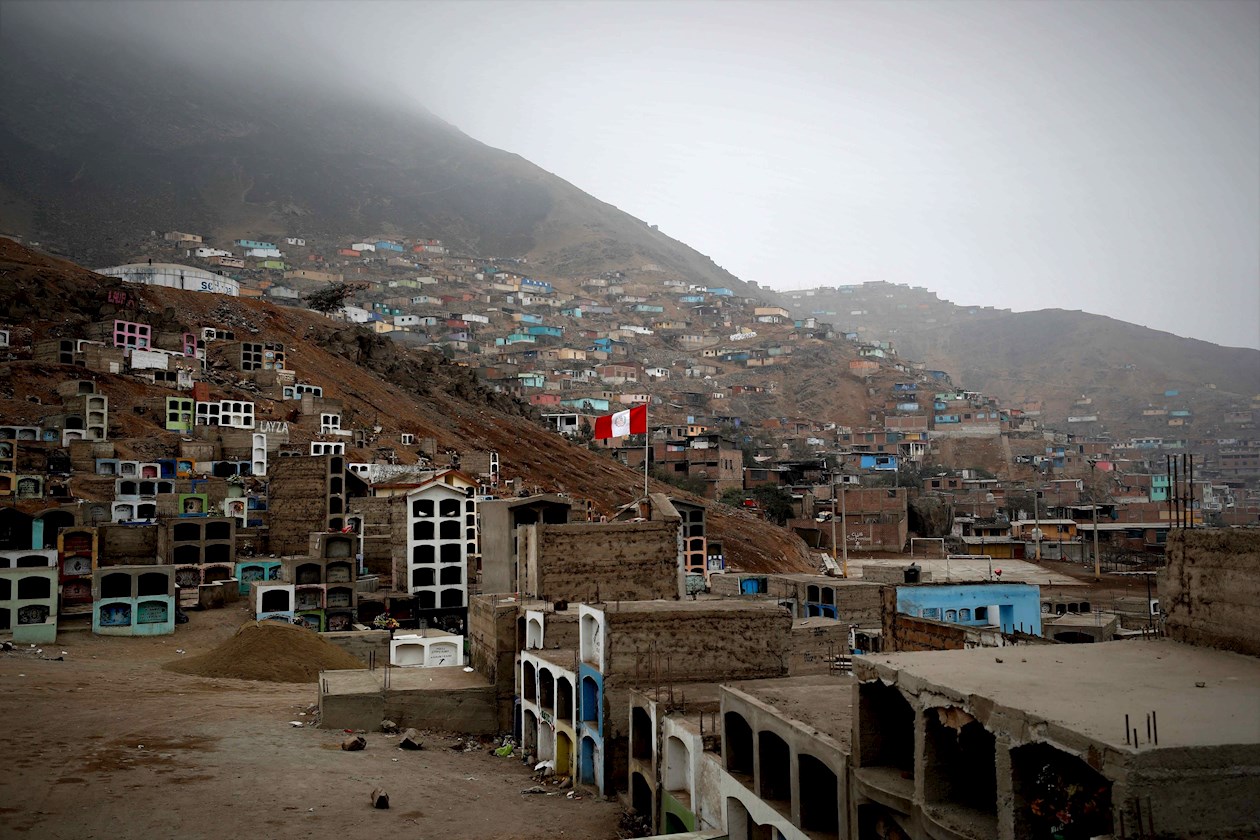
613 561
308 494
500 521
966 743
629 644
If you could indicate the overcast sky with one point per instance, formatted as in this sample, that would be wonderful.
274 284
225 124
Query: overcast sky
1096 156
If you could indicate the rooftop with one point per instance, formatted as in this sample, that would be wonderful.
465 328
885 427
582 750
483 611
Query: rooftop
823 703
445 678
959 569
1202 697
711 605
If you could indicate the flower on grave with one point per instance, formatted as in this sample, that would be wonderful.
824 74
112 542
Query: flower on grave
385 621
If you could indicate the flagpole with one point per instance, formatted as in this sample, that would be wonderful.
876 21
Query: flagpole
647 437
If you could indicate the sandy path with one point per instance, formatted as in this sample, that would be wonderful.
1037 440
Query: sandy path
220 759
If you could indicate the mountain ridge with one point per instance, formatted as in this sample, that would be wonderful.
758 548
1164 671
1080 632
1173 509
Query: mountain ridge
162 146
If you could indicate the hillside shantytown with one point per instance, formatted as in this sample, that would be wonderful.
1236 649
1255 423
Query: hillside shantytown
918 612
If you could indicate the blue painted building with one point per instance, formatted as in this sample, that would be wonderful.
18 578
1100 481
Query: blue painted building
541 287
385 245
879 462
1011 606
554 332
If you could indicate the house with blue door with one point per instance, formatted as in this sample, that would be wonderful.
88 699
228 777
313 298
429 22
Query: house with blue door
1013 607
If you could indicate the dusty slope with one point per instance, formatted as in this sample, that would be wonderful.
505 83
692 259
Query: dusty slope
379 382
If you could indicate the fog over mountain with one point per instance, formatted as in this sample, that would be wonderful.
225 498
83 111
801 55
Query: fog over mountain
1081 156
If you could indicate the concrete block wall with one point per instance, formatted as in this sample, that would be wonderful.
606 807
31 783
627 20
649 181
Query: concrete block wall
695 641
127 545
249 572
908 633
492 646
28 601
361 644
813 642
133 601
298 494
629 561
384 530
196 540
1209 591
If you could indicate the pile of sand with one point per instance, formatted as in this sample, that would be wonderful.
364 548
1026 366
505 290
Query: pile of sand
271 652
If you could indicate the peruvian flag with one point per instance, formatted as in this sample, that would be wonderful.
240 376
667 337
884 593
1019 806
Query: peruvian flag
632 421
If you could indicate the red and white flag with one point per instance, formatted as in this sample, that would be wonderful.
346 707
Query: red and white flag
632 421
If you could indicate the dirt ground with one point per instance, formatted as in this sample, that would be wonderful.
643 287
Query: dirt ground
106 743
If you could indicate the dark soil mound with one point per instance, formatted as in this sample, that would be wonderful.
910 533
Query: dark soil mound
270 652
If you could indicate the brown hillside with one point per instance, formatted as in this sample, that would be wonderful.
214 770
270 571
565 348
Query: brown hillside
379 382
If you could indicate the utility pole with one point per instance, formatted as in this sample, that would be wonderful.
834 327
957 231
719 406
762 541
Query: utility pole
833 517
1037 522
1058 527
844 531
1097 561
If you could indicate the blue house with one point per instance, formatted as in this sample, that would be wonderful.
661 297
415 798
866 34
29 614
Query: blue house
527 318
554 332
541 287
1011 606
531 380
515 338
691 299
720 292
879 462
251 243
384 245
603 344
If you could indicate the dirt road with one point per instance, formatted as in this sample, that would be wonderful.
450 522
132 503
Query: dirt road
108 744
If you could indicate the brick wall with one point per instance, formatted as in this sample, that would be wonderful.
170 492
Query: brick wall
384 531
628 561
697 640
492 647
130 545
297 497
1209 590
909 633
813 641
